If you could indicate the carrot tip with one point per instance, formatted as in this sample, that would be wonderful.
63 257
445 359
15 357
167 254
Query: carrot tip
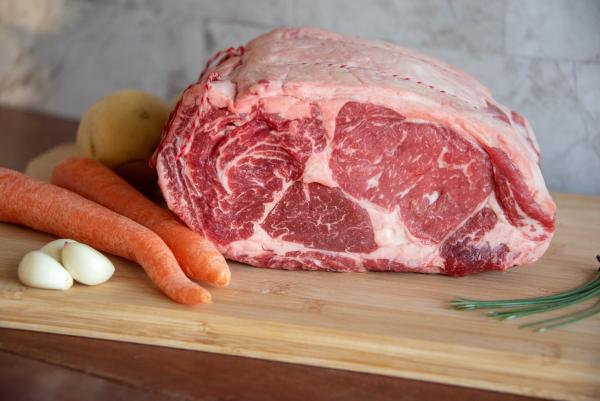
204 298
223 279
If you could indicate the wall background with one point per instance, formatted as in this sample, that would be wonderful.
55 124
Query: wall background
540 57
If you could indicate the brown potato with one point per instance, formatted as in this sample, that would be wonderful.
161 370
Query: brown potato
123 129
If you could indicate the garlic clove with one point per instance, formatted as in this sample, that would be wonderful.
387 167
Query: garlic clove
86 265
39 270
54 248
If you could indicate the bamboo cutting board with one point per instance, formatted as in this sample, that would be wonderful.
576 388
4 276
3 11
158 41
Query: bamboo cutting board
386 323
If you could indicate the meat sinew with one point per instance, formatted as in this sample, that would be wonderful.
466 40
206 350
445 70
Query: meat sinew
306 149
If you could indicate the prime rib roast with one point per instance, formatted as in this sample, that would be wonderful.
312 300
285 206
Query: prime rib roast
306 149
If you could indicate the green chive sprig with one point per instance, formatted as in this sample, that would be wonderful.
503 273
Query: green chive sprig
531 306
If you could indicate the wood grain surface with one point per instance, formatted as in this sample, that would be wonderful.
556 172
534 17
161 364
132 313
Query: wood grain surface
191 375
393 324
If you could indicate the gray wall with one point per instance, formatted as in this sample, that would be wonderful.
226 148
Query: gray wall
540 57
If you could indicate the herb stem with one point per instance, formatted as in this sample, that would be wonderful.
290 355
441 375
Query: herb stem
471 304
522 307
522 312
542 325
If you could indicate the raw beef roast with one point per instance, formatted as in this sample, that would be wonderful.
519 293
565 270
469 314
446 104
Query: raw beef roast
306 149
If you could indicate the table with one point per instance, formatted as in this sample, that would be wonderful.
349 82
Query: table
53 367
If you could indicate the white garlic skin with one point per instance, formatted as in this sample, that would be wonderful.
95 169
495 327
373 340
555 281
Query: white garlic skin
39 270
86 265
54 248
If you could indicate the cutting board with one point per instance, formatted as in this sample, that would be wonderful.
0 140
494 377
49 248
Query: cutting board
386 323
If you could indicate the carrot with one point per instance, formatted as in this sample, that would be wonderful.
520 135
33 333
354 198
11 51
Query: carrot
198 257
46 207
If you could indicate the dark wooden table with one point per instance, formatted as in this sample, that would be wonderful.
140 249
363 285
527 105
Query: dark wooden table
40 366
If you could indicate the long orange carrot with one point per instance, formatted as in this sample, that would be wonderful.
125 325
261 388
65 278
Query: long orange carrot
198 258
55 210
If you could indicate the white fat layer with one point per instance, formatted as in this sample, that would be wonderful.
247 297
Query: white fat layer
432 197
405 192
291 107
373 182
221 93
317 169
394 241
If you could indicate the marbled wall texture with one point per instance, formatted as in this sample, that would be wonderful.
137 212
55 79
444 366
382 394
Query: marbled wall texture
541 57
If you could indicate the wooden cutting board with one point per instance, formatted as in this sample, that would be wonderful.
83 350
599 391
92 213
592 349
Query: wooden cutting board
386 323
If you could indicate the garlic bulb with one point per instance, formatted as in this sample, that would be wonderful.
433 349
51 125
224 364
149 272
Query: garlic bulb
39 270
86 265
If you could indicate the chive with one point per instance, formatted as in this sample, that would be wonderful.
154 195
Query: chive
522 312
470 304
530 306
543 325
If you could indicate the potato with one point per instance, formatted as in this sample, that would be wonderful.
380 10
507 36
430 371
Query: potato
123 129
